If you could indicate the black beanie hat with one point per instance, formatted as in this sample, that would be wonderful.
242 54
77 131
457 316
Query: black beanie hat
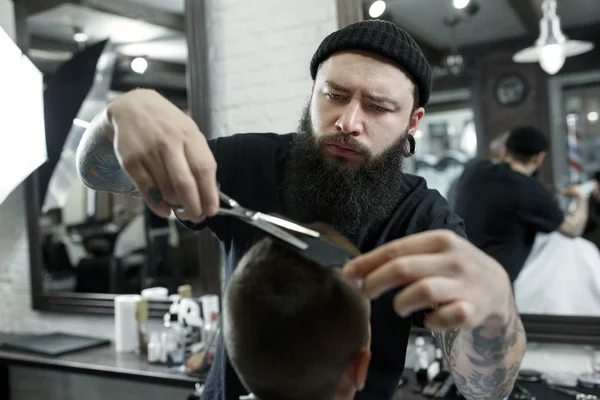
383 38
527 140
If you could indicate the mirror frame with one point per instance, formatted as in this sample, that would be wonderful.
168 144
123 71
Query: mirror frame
539 328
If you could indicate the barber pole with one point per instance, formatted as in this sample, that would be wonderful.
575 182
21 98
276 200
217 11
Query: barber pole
574 151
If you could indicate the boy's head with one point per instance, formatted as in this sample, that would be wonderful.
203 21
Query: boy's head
295 330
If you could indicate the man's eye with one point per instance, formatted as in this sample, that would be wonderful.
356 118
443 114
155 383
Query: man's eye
379 108
334 96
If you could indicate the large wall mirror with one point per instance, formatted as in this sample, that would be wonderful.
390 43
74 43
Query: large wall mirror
89 246
478 94
86 246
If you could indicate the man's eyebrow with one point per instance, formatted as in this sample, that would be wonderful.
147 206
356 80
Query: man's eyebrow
378 98
383 99
336 86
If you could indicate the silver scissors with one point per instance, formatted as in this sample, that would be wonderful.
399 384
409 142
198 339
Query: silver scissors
265 222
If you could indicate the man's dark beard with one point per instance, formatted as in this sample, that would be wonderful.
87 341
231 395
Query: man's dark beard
352 200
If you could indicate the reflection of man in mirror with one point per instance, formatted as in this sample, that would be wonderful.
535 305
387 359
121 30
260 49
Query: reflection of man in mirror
276 298
504 206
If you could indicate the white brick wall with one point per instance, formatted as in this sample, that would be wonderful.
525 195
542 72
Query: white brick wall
7 21
260 61
16 314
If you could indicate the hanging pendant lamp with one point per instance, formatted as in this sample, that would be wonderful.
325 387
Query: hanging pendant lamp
552 47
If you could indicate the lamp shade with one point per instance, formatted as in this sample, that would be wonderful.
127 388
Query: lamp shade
552 47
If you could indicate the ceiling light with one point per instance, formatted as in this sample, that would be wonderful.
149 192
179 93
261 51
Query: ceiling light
79 35
139 65
552 47
454 62
377 8
460 4
593 116
552 58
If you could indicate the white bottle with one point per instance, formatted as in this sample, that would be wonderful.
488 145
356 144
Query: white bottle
165 345
436 366
422 358
421 362
154 348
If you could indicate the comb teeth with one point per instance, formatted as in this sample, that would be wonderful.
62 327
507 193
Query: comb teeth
323 252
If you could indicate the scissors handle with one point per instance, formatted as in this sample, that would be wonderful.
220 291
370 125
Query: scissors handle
222 197
228 200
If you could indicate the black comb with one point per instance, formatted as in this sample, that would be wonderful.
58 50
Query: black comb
322 251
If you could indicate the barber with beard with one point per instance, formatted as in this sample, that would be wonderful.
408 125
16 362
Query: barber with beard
343 167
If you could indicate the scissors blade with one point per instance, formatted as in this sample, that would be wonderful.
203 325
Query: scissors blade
292 226
267 223
279 233
232 212
264 225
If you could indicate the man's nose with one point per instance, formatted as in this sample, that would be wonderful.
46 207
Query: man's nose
351 119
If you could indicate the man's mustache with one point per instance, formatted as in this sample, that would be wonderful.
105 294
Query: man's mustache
345 140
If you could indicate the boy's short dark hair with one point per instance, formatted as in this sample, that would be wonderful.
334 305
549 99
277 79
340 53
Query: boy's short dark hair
291 327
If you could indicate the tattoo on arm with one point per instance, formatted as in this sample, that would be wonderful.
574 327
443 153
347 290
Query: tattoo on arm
483 361
445 341
490 351
490 386
100 169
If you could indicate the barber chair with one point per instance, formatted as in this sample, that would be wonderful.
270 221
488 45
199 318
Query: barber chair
59 272
56 258
93 272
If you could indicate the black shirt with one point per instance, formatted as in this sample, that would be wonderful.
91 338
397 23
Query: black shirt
594 215
503 210
251 169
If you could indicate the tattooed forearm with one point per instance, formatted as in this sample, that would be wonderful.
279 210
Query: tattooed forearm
485 361
97 163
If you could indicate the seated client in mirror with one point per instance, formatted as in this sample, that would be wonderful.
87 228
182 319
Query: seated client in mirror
295 330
